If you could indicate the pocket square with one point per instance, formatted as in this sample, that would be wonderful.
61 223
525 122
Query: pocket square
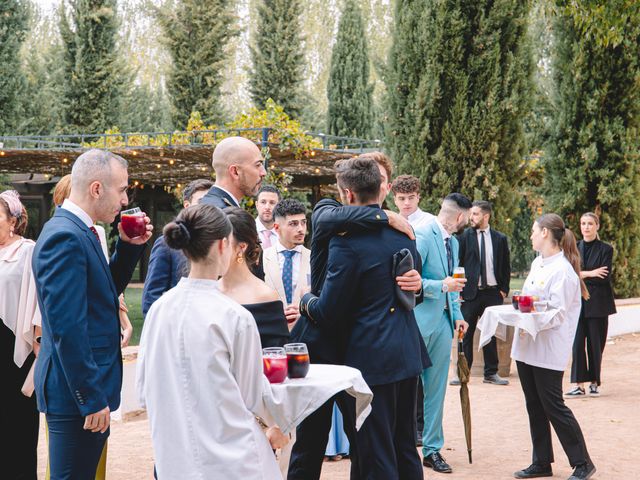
402 263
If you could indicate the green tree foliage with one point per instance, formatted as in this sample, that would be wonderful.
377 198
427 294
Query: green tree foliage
592 159
277 56
94 74
349 90
459 87
196 33
13 29
43 65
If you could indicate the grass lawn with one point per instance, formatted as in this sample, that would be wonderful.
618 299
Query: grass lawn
133 297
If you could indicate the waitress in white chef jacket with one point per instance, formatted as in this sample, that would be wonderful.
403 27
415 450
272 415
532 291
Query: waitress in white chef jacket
541 362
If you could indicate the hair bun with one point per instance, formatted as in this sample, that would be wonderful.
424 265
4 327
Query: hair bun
177 235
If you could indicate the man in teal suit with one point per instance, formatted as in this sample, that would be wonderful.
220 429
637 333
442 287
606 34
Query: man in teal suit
439 315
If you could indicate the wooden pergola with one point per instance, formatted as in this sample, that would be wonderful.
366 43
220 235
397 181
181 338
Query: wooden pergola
183 156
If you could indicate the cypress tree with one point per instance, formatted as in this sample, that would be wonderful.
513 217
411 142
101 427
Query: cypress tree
349 91
459 88
277 56
94 75
14 18
196 34
592 158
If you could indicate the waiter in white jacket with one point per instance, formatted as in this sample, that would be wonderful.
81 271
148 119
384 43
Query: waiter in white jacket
554 276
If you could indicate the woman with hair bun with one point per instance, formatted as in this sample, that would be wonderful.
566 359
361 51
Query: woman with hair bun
554 276
199 367
597 259
248 290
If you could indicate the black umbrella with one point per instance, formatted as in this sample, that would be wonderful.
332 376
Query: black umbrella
463 375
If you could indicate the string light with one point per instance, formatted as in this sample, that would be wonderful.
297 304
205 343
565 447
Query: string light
136 183
134 153
65 160
158 166
179 185
172 161
317 170
2 153
313 153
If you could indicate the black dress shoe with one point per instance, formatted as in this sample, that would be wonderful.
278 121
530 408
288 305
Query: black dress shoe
583 471
436 462
534 471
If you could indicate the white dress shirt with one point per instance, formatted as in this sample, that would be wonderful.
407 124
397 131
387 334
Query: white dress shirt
420 218
235 200
488 245
295 272
263 232
554 279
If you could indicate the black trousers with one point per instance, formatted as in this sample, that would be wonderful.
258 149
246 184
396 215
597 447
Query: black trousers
420 408
472 310
587 363
307 453
545 405
19 418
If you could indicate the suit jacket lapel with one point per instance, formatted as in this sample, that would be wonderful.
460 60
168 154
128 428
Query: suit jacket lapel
92 240
494 244
440 244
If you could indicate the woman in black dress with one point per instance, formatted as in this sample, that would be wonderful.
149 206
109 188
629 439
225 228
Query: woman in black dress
591 335
244 287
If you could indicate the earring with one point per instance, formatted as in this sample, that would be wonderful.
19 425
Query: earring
11 233
239 258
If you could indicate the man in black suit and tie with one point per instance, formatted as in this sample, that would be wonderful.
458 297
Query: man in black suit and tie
239 168
484 254
358 303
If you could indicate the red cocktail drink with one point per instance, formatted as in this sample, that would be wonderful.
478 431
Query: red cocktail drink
133 224
275 368
298 364
525 303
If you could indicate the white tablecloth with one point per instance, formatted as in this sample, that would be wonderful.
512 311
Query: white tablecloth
293 400
494 322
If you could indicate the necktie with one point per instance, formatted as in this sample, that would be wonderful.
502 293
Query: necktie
95 232
287 274
483 260
447 244
266 243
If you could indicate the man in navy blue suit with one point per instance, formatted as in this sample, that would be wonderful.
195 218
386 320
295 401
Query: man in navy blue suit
239 168
166 265
78 375
358 302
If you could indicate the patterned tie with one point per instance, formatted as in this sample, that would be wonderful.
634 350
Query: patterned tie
287 274
447 245
483 261
95 232
266 243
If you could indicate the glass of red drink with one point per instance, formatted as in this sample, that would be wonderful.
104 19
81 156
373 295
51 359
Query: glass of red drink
132 221
515 297
274 364
525 303
298 359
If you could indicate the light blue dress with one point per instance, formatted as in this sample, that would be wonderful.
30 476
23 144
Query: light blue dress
338 444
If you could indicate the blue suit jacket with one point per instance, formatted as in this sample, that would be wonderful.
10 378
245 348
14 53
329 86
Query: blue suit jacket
218 198
166 267
434 270
330 218
79 367
358 297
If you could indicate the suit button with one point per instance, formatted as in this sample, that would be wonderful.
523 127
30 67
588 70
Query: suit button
378 217
392 309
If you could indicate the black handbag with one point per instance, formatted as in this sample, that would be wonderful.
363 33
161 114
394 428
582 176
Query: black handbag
402 263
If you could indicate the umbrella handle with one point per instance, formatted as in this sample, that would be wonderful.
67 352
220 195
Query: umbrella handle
460 333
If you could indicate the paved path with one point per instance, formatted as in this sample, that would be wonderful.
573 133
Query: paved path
501 443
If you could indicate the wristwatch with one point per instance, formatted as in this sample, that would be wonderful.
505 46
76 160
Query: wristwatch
445 287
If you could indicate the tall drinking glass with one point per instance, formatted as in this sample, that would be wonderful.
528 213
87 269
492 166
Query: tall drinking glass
458 272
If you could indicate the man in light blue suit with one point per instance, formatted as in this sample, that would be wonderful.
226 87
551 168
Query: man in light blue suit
439 315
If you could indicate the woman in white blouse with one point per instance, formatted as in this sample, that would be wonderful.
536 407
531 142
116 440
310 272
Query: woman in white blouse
554 276
19 334
199 367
